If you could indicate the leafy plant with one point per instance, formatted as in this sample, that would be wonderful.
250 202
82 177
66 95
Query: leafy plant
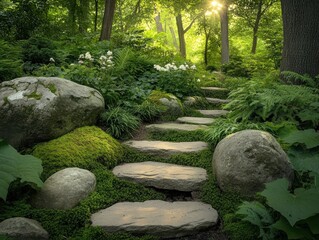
119 122
15 166
148 111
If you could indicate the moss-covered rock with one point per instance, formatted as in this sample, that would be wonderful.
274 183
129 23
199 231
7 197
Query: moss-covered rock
82 148
173 106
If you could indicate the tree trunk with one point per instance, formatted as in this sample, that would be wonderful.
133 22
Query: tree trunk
83 15
174 38
96 14
181 35
256 27
109 11
224 34
301 34
159 26
207 35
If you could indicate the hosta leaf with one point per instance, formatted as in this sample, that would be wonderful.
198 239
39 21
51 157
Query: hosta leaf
308 137
294 207
255 213
313 224
292 232
16 166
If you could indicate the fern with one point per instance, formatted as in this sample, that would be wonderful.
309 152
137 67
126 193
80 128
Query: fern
295 78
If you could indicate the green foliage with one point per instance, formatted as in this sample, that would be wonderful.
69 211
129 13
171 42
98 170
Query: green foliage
257 214
10 62
298 79
148 111
37 51
119 122
236 68
309 138
224 127
177 136
14 166
81 148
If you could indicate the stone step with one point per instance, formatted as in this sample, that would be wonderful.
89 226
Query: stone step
196 120
167 148
155 217
163 175
175 126
214 89
213 113
217 100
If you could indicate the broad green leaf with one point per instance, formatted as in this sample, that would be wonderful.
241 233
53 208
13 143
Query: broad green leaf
16 166
292 232
304 161
313 223
308 137
294 207
255 213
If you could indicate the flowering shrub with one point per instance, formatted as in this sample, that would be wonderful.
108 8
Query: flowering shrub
178 80
103 62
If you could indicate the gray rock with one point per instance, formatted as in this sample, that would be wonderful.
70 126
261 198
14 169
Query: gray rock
167 148
20 228
196 120
175 127
217 100
35 109
164 219
195 100
213 113
173 105
243 162
65 189
163 175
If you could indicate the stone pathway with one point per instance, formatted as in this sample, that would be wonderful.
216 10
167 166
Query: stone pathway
164 218
160 218
167 148
163 175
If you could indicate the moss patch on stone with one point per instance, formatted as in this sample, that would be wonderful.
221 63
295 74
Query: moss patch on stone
52 88
34 95
81 148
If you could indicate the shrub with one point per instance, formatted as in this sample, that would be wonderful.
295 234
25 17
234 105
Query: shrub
80 148
10 62
148 111
119 122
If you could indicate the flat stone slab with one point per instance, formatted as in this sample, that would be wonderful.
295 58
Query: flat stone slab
164 219
167 148
217 100
213 113
163 175
196 120
214 89
175 126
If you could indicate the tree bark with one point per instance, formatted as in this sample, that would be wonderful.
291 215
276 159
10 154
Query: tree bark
301 34
224 34
174 38
256 27
96 5
181 35
109 11
159 26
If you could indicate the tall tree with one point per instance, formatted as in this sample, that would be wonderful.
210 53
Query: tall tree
301 34
107 24
224 33
252 11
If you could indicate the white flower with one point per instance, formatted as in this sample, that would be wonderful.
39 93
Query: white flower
81 62
81 56
52 60
109 53
109 61
103 58
193 67
110 57
88 55
182 67
198 80
102 67
72 64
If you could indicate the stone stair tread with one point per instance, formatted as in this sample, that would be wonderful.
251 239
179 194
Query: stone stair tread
214 89
213 113
164 219
163 175
217 100
175 126
196 120
167 148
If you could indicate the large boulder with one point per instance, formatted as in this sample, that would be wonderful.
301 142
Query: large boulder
23 228
243 162
65 189
35 109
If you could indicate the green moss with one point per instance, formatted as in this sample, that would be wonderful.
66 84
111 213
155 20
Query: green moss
34 95
81 148
52 88
6 101
237 229
156 95
177 136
